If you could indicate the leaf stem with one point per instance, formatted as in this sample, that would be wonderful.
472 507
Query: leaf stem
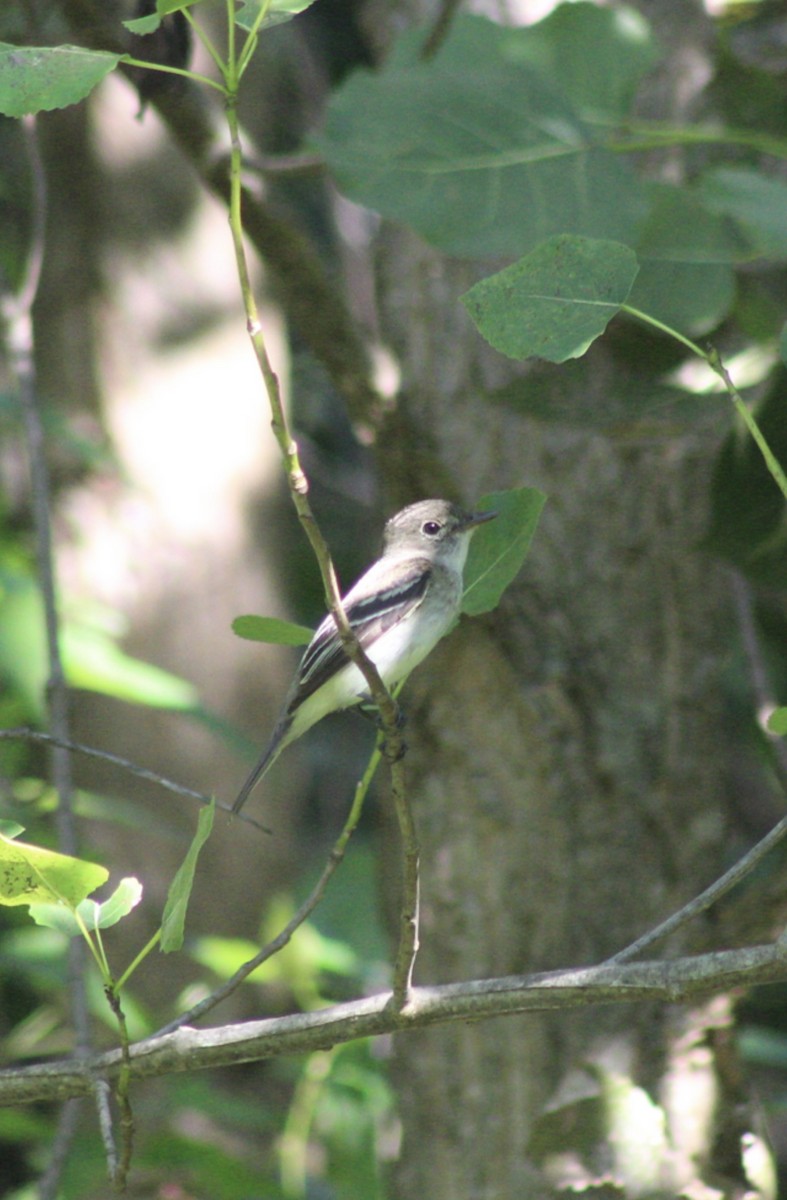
144 65
647 319
645 136
714 360
140 957
207 42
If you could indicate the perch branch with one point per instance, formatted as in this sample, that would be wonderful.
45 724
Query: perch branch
194 1049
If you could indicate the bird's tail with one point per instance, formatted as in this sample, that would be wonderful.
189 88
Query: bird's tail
276 745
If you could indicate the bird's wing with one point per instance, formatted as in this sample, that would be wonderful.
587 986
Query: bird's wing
370 611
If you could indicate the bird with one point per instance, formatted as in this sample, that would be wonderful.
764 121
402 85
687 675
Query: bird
399 610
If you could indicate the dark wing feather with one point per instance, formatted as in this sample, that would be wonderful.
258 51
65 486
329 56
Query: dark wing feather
369 617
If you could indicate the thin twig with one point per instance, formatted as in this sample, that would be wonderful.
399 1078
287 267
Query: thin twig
49 1185
306 909
764 697
701 903
17 312
103 1098
35 735
120 1169
409 905
299 487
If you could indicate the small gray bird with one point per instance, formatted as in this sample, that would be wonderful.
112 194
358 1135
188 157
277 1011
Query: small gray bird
398 611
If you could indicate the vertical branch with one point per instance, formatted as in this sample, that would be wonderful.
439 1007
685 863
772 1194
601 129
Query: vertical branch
411 889
18 332
296 477
299 487
17 311
68 1119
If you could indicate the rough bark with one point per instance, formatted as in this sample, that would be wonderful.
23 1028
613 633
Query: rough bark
567 767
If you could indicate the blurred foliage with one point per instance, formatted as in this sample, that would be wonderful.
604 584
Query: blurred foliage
546 104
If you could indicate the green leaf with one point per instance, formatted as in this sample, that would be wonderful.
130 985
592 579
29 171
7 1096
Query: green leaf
31 874
756 201
174 918
271 629
680 228
142 26
91 657
164 8
565 394
599 55
94 915
691 297
777 721
478 150
92 660
56 916
556 300
498 549
126 896
39 78
278 12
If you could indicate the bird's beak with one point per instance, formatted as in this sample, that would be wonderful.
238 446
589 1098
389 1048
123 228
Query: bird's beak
478 518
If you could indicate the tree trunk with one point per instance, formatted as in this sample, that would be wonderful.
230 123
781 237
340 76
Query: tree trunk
567 772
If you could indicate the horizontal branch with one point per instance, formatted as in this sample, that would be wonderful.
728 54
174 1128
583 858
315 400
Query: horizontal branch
189 1049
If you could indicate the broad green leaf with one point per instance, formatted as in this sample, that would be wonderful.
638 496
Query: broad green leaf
126 896
11 829
566 394
278 12
31 874
556 300
691 297
39 78
56 916
271 629
498 549
599 55
478 150
92 660
758 202
777 721
94 914
91 657
23 663
174 918
308 953
680 228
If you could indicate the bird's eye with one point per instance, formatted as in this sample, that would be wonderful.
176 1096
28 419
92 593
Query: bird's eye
431 528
